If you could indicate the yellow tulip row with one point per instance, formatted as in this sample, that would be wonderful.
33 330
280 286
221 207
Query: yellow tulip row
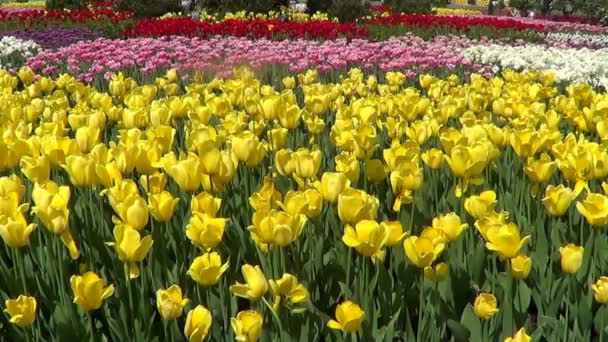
237 125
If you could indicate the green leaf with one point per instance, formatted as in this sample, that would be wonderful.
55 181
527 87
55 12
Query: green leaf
460 332
472 323
522 297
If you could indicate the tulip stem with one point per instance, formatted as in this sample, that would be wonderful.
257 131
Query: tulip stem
274 314
348 266
91 325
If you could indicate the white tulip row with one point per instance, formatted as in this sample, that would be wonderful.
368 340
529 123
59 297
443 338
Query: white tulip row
13 49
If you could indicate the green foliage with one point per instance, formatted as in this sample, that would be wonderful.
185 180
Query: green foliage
348 10
150 8
411 6
66 4
523 6
257 6
314 6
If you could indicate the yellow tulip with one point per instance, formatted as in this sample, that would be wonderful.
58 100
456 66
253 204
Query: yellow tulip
255 285
367 238
376 170
539 171
205 203
438 274
247 325
480 205
284 162
505 240
521 266
154 183
205 231
348 165
557 199
433 158
207 269
276 227
277 138
307 164
332 185
22 310
600 288
395 233
571 258
26 75
267 197
131 248
36 169
422 251
186 171
198 323
82 171
356 205
289 82
170 302
308 203
404 181
15 231
289 287
90 290
485 306
349 317
248 149
162 206
468 162
492 219
132 211
12 183
595 209
86 137
450 226
520 336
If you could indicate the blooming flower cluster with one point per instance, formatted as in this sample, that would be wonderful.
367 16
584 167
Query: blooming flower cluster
569 64
410 54
53 38
577 40
14 51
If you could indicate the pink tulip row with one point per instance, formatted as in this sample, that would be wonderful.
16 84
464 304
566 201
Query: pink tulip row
105 56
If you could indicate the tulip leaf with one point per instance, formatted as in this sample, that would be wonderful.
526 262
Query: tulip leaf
459 331
522 297
471 323
585 315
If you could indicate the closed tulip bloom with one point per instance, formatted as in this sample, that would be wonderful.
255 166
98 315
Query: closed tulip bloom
186 172
170 302
479 205
22 310
132 211
348 317
131 248
36 169
491 219
439 273
450 226
520 336
82 171
276 227
395 233
207 269
290 288
247 326
307 163
367 238
10 184
422 251
600 289
205 203
289 82
248 149
505 240
355 205
285 162
595 209
90 290
255 285
15 231
198 323
86 137
154 183
277 138
51 205
332 185
539 171
485 306
557 199
162 206
205 231
521 266
571 258
433 158
376 170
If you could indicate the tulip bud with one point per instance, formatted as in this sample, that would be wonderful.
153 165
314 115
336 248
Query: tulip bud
572 258
485 306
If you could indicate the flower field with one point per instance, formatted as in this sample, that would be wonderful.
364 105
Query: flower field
249 177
